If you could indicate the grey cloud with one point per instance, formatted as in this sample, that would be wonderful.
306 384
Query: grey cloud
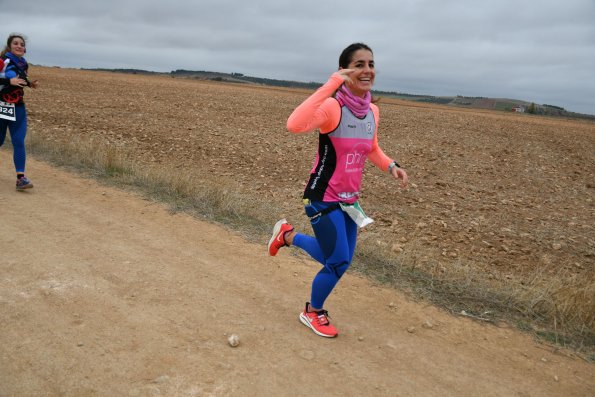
541 51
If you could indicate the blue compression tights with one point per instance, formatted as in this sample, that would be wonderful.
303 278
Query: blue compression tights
333 247
18 131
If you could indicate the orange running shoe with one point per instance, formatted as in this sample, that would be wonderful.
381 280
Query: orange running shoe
278 239
318 322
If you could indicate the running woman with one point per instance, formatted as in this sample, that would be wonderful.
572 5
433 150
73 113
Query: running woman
13 114
347 120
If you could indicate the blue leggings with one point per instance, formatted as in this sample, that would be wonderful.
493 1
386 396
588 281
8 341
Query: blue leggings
333 247
18 131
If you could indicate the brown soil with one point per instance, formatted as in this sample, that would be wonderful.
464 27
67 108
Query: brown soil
505 193
104 293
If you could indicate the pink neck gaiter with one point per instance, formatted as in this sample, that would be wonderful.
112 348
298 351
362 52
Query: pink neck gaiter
358 106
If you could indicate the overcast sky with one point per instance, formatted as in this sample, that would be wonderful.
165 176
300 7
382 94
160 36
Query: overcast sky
542 51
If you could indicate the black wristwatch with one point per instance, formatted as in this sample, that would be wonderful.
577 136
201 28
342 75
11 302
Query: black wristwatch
393 164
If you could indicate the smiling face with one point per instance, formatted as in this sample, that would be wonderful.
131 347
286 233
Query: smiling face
17 46
362 61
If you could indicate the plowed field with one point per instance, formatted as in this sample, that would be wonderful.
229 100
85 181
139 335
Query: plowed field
507 194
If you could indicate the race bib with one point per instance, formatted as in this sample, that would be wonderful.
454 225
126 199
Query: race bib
7 111
356 213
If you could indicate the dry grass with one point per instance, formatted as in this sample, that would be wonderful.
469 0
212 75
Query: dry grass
181 191
558 308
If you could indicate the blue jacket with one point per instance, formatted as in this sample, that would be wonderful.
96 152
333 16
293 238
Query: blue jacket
13 67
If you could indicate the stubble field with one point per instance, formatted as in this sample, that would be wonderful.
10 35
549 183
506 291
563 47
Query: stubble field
500 202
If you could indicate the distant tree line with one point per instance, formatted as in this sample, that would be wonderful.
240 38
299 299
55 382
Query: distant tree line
554 107
240 77
129 71
471 97
439 100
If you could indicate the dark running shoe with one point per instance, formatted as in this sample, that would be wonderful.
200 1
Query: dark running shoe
24 183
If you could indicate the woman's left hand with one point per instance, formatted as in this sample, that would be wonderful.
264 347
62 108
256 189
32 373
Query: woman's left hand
17 81
400 173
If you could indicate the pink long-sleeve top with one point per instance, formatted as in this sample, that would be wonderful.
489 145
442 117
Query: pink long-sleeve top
345 141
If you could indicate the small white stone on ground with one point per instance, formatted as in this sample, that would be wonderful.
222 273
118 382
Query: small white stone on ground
233 340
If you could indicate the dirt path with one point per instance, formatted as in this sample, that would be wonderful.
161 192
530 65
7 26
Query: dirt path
103 293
